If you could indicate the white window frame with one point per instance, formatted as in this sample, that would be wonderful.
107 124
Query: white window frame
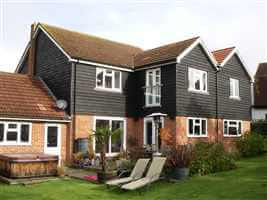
18 130
103 88
228 125
146 119
234 83
154 84
197 136
110 119
195 74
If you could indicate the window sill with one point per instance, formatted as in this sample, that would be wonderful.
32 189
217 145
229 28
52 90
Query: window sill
198 92
235 98
232 136
153 105
197 136
108 154
107 90
14 144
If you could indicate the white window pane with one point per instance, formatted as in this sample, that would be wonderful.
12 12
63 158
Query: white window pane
204 127
2 129
99 78
108 81
117 80
197 84
52 136
12 126
101 124
12 136
191 78
116 142
191 132
204 79
232 130
225 128
231 87
150 99
25 133
237 88
197 129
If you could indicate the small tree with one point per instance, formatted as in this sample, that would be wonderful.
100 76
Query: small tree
101 136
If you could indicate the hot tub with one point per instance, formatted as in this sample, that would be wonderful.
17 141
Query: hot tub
20 165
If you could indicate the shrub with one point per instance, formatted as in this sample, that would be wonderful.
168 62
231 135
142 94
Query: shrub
251 144
210 158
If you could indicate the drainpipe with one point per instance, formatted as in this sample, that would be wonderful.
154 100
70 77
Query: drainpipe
217 120
74 105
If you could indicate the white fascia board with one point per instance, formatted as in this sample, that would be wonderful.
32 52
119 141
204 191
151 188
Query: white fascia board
192 46
99 65
22 57
39 27
29 119
233 52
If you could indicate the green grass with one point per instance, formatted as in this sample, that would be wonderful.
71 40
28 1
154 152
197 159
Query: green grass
248 182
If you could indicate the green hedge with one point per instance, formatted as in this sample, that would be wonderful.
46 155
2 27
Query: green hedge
210 158
251 144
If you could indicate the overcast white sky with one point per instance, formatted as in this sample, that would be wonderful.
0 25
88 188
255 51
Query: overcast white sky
143 23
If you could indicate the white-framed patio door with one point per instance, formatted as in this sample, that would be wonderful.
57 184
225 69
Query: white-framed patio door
52 140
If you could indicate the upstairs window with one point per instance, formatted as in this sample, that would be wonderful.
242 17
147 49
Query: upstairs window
13 133
153 87
234 88
232 128
108 79
197 80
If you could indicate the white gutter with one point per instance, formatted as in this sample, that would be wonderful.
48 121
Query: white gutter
28 119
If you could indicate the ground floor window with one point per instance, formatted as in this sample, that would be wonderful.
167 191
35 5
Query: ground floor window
15 133
232 127
197 127
113 145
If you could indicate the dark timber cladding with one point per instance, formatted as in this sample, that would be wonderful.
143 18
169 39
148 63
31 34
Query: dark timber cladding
90 101
229 108
195 104
24 66
168 102
53 67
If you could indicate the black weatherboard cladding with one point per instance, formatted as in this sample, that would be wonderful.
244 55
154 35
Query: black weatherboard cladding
168 102
195 104
229 108
53 67
24 66
91 101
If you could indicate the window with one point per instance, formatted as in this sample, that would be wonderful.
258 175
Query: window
114 145
52 136
153 87
232 128
108 79
12 133
234 88
197 80
197 127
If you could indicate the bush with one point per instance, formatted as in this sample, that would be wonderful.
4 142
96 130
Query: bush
210 158
251 144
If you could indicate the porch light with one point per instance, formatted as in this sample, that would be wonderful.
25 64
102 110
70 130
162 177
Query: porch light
156 118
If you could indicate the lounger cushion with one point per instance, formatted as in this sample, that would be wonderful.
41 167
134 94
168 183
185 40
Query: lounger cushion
119 181
136 184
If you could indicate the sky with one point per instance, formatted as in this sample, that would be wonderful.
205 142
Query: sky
143 23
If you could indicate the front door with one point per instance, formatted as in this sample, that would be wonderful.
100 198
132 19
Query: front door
149 132
52 141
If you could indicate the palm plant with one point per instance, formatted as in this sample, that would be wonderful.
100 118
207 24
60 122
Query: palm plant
102 136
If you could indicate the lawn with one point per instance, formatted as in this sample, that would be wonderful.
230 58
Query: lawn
248 182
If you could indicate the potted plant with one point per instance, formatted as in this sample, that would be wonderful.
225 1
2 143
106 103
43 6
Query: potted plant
102 136
178 156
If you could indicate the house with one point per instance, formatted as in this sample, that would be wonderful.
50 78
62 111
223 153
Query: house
206 96
30 121
259 110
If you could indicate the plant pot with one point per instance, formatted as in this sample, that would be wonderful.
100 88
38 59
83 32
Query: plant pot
180 173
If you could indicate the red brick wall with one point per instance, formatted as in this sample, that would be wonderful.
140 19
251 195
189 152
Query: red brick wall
83 125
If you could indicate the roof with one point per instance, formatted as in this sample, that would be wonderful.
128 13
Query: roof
221 54
91 48
260 86
163 53
22 96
